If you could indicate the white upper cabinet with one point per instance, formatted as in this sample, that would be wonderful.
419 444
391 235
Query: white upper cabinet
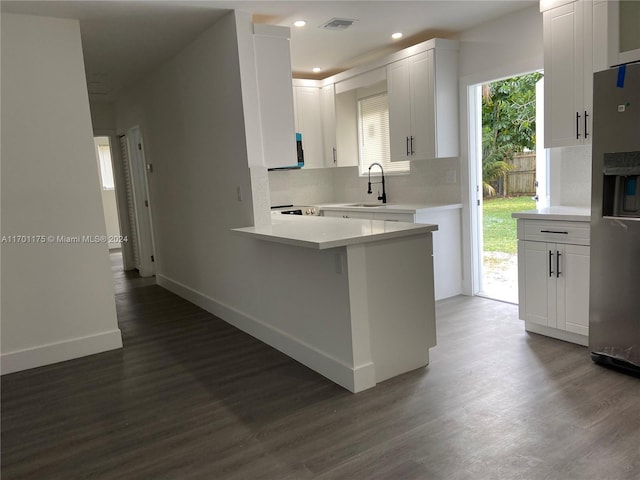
398 91
568 69
309 124
328 116
580 38
616 32
273 72
423 105
346 104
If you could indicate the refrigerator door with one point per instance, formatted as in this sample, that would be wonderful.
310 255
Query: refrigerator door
614 307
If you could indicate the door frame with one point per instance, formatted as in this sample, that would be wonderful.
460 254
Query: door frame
469 162
121 201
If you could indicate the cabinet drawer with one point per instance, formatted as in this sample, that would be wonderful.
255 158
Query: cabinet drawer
395 217
555 231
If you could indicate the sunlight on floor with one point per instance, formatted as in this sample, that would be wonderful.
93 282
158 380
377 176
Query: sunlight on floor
500 276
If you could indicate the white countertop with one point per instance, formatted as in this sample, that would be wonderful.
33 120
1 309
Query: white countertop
390 207
571 214
326 232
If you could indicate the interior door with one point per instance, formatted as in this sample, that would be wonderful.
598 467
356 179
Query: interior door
142 204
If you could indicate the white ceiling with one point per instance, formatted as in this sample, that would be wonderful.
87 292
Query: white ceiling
123 40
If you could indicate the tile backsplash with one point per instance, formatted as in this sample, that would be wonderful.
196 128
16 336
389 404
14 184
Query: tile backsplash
437 181
301 187
571 176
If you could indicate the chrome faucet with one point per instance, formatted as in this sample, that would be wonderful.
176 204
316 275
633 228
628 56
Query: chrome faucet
382 197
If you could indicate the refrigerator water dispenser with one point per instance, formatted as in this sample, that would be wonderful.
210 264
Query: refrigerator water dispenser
621 184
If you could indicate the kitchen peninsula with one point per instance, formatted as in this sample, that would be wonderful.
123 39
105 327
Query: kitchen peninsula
351 299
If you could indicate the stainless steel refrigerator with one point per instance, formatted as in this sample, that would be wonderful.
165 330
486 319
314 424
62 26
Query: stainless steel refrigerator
614 306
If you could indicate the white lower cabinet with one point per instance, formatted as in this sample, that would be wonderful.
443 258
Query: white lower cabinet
348 214
447 247
554 281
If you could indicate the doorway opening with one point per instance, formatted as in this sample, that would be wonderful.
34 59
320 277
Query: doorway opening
509 150
125 197
108 190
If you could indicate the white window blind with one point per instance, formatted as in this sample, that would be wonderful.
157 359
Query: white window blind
373 132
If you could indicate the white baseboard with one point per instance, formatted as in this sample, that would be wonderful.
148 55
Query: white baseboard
59 352
555 333
353 379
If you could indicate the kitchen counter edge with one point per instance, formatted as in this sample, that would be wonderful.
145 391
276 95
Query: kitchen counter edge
322 233
559 213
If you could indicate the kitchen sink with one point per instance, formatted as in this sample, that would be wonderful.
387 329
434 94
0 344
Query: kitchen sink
363 205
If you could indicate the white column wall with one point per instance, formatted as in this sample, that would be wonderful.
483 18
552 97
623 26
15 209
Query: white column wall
192 113
58 298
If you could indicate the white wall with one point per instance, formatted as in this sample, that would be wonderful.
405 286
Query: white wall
191 112
191 118
503 47
103 117
58 299
510 44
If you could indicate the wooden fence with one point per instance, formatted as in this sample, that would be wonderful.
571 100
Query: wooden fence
522 179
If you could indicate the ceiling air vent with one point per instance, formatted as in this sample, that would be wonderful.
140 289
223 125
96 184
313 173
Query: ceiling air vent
338 24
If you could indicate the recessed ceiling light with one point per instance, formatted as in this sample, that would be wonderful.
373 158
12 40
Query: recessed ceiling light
316 69
396 35
299 23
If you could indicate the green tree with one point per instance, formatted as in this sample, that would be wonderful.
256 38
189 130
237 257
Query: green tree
508 124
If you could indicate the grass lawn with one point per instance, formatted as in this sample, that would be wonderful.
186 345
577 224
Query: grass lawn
499 228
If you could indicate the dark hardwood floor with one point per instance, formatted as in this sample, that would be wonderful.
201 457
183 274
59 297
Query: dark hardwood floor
190 397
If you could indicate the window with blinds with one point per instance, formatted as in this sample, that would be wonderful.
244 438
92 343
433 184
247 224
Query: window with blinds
373 133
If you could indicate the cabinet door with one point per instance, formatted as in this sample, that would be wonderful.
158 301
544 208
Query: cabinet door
540 283
328 113
422 135
568 69
563 83
346 105
273 72
573 289
398 94
619 21
310 125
